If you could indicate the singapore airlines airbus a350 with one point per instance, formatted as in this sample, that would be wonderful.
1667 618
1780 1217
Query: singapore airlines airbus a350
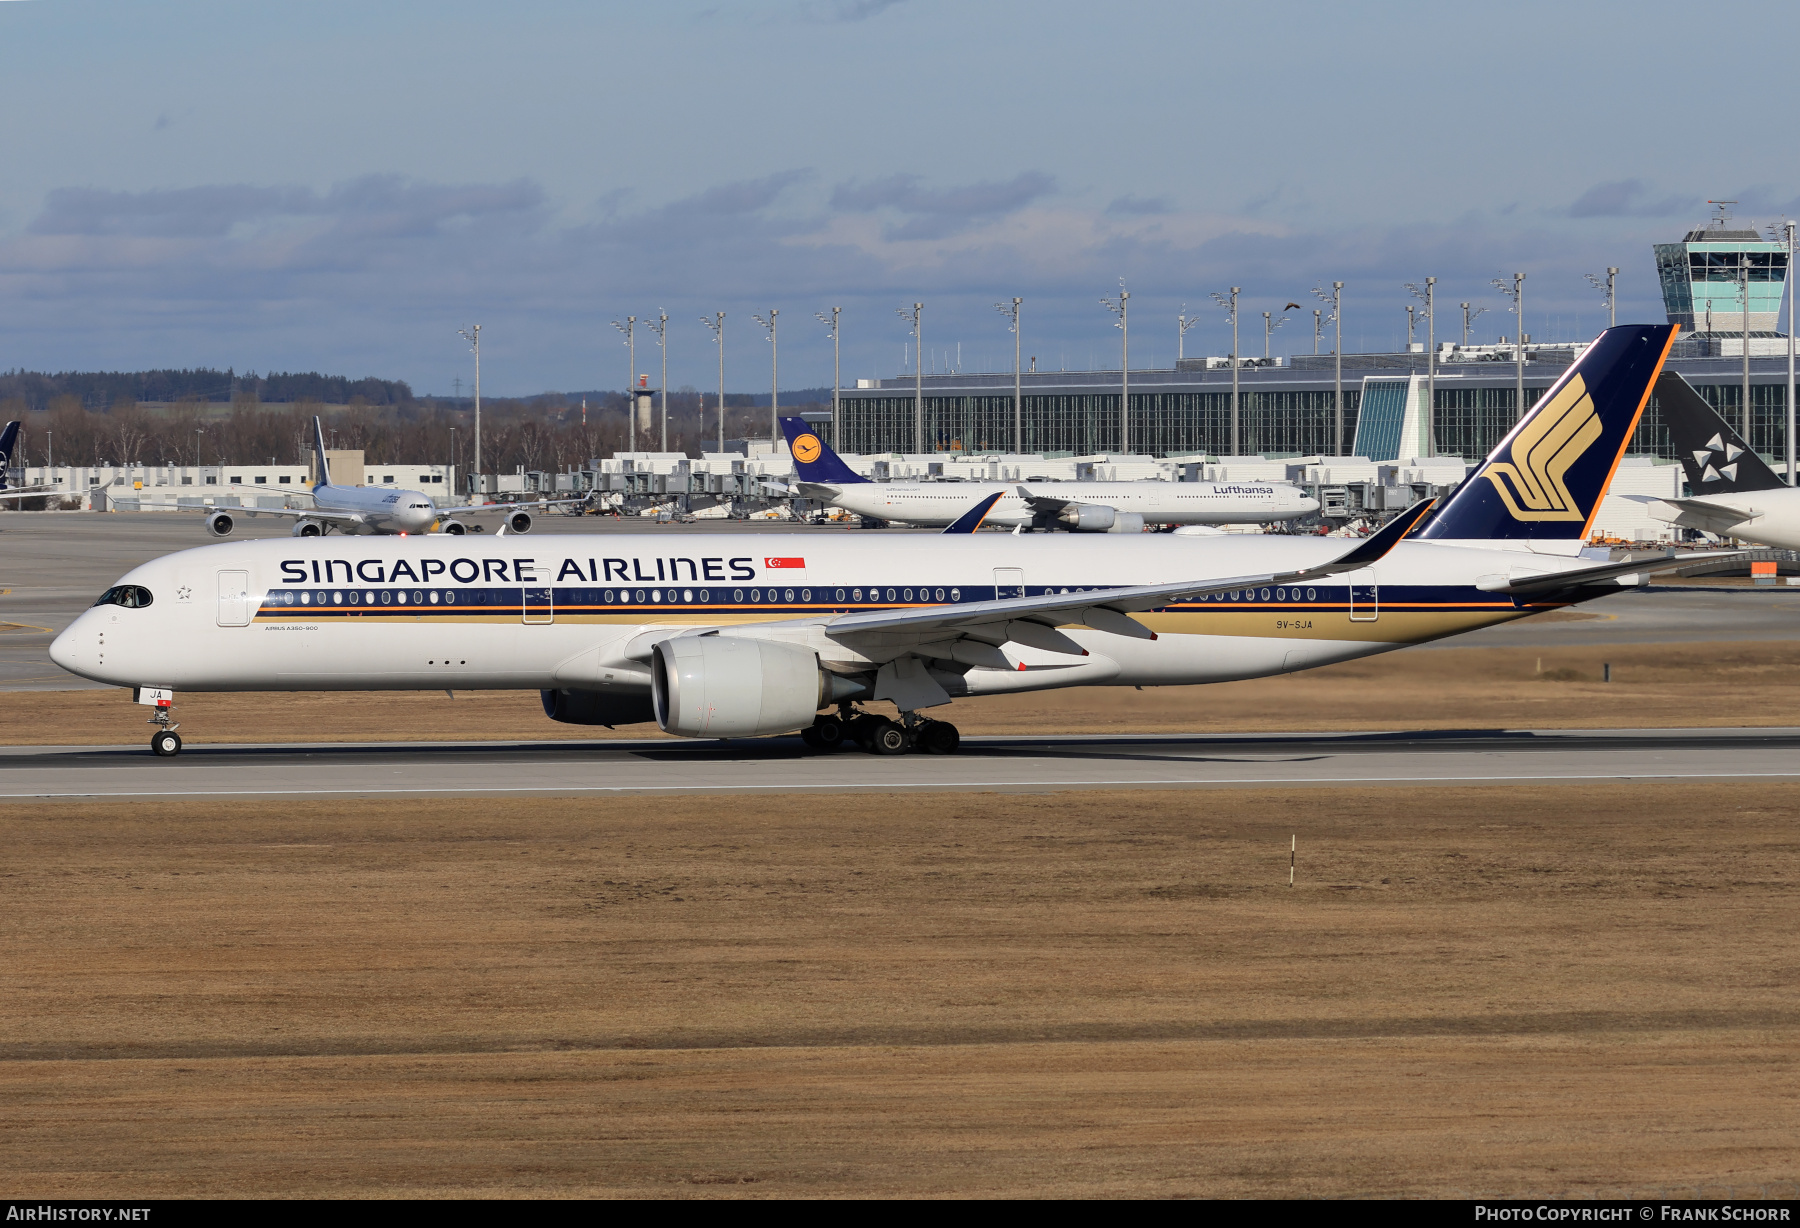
716 635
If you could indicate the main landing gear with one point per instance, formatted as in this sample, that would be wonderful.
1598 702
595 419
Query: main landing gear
877 735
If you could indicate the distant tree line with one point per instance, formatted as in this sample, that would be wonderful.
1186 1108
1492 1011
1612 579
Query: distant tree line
539 433
99 389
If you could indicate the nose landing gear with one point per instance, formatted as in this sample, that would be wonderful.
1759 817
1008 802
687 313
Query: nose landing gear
165 741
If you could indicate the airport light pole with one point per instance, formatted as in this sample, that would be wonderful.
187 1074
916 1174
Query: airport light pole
1012 327
661 329
1788 276
1336 299
918 338
1318 327
717 324
1183 322
1271 322
831 322
473 334
774 360
1231 309
1744 289
629 328
1516 292
1121 307
1430 361
1605 286
1469 318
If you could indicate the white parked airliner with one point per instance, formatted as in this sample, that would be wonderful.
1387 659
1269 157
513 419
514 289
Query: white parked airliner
1083 507
369 509
722 635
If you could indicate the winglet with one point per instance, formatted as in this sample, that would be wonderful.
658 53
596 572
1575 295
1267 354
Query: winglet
1372 548
9 439
319 451
971 520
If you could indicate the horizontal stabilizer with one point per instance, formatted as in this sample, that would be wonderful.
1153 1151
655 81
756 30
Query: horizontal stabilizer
1557 581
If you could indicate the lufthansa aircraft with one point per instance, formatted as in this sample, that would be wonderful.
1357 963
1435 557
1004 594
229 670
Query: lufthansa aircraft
1731 492
1086 507
727 636
367 509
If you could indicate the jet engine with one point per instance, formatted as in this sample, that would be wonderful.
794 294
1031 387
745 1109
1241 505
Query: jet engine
457 529
1099 518
519 522
219 524
597 707
305 527
713 686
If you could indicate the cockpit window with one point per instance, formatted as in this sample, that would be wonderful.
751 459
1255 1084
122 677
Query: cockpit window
421 505
131 596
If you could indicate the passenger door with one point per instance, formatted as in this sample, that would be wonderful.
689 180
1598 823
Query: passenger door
1009 582
539 604
1365 596
234 599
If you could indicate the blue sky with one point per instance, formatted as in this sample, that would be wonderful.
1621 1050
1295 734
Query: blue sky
339 186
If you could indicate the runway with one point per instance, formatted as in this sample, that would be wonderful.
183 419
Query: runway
1007 764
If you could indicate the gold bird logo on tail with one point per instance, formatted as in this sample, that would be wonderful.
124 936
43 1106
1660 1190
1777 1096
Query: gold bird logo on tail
1532 483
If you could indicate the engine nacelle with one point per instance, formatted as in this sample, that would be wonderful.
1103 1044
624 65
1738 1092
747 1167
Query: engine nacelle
219 524
597 707
518 522
1099 518
456 529
307 528
714 686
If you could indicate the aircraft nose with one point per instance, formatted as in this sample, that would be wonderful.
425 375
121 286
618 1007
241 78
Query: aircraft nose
1308 503
62 648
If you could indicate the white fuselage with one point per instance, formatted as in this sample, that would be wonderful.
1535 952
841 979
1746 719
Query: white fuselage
940 503
1765 517
438 612
382 509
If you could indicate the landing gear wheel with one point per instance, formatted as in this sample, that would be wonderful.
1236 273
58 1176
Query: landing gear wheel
861 730
889 739
166 742
826 733
938 738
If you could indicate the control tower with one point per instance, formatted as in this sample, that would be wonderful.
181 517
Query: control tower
1706 277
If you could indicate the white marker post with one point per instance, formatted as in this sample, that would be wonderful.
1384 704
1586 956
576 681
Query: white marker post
1293 850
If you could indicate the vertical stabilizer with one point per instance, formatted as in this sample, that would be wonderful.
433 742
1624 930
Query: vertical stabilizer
319 454
9 442
1546 479
814 460
1714 457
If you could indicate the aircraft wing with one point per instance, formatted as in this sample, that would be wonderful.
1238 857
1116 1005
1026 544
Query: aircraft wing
521 506
1102 609
38 492
311 513
817 490
1047 504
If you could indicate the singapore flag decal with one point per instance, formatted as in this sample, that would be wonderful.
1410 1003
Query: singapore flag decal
773 563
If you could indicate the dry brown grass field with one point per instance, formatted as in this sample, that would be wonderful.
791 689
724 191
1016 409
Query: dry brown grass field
1455 688
1489 990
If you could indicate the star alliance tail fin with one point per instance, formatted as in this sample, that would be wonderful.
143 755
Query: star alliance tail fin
1715 458
9 440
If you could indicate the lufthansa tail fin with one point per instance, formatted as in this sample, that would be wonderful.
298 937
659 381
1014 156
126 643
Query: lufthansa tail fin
814 460
1715 458
1546 479
319 452
9 440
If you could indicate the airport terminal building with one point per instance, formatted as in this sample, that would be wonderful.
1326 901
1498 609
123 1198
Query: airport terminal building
1288 407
